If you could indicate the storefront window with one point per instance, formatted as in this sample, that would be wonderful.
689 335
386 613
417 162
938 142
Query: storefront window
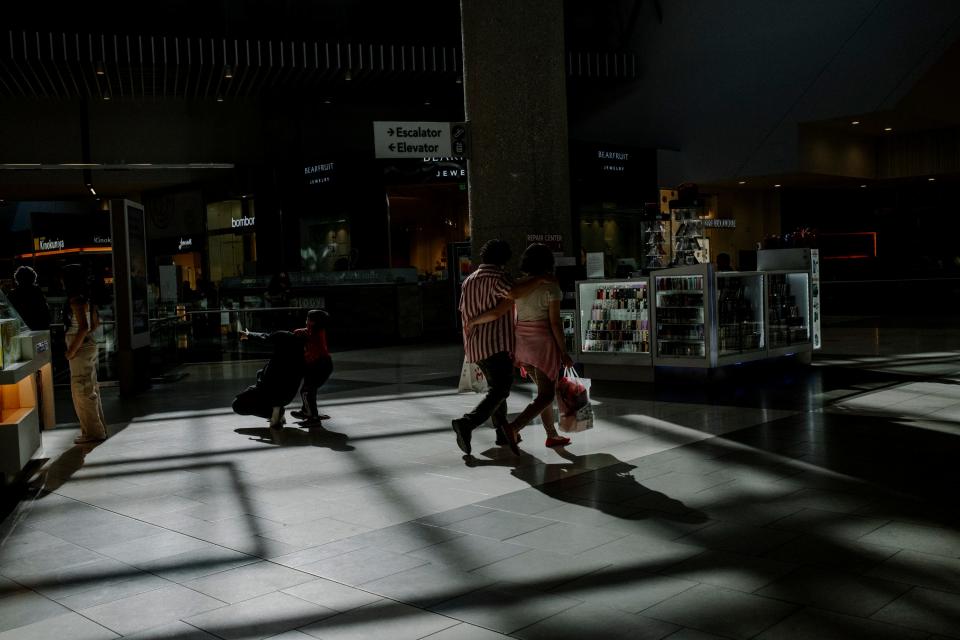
231 239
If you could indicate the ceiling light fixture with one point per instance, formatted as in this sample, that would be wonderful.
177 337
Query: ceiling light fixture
93 191
219 98
931 179
459 80
855 122
888 128
776 186
742 182
106 96
348 76
863 186
100 70
227 72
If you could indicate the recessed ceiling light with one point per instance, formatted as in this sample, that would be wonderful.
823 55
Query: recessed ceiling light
930 179
855 122
99 69
106 96
776 186
227 72
888 128
742 182
219 98
863 186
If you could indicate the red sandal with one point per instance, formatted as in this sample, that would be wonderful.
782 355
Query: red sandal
559 441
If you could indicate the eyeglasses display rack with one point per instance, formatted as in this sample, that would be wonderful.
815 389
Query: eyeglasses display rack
656 244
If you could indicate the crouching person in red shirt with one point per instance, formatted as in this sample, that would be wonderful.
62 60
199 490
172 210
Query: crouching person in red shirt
318 365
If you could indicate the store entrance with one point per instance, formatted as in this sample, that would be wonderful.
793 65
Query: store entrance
424 220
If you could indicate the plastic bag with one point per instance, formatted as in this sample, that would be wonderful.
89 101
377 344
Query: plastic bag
472 378
573 400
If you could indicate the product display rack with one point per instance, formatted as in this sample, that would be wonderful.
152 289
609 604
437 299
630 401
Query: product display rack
683 316
740 316
613 326
689 243
656 244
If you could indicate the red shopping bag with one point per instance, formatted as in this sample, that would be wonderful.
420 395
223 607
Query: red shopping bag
573 400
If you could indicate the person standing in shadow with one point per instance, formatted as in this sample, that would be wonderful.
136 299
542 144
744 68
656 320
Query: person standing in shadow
81 319
29 301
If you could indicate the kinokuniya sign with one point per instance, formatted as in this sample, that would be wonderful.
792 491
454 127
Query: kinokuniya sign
49 244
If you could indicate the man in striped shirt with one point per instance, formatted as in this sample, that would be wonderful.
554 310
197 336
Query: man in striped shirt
490 345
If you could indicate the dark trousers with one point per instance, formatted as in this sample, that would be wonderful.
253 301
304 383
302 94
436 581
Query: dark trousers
498 369
252 401
316 374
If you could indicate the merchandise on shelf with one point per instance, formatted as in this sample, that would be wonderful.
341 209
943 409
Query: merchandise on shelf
680 319
9 342
689 242
619 320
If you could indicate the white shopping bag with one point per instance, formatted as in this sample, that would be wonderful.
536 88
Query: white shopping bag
472 378
573 400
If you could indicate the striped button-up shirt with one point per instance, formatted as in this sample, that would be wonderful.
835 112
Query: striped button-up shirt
483 290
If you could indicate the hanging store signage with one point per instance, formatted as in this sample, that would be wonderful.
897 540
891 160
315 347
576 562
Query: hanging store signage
720 223
102 241
242 221
319 174
613 161
48 244
418 139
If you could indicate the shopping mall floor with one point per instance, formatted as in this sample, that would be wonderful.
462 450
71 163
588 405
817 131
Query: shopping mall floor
814 502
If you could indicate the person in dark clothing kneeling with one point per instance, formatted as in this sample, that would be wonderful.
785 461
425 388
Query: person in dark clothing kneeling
277 382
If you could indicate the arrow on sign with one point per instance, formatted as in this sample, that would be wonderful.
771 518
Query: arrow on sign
390 131
392 147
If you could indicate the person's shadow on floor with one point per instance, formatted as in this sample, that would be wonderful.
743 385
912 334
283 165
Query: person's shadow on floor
293 437
600 481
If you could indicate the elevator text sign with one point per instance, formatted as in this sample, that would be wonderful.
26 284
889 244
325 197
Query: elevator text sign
411 139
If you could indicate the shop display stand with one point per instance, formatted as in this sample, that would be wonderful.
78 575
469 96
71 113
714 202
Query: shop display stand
740 306
656 234
689 242
613 328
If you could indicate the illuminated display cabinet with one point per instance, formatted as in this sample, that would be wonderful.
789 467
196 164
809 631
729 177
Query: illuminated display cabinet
26 389
696 317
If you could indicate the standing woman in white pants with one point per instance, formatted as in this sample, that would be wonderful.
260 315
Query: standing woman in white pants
81 319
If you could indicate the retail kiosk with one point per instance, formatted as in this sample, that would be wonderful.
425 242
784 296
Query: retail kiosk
698 318
26 390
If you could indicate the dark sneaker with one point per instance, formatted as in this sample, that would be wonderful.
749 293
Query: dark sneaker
300 414
462 428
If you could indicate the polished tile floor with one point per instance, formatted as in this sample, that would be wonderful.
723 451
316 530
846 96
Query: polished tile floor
810 502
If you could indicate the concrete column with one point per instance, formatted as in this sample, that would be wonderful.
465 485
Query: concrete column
515 97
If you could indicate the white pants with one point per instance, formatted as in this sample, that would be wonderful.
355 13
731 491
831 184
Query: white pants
86 391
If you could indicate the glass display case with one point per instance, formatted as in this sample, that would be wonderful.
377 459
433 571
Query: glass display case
656 244
613 326
788 309
26 389
682 314
740 324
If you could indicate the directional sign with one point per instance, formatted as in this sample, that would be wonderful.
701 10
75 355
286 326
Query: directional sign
411 139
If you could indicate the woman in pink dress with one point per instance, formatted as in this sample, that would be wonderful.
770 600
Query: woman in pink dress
540 349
